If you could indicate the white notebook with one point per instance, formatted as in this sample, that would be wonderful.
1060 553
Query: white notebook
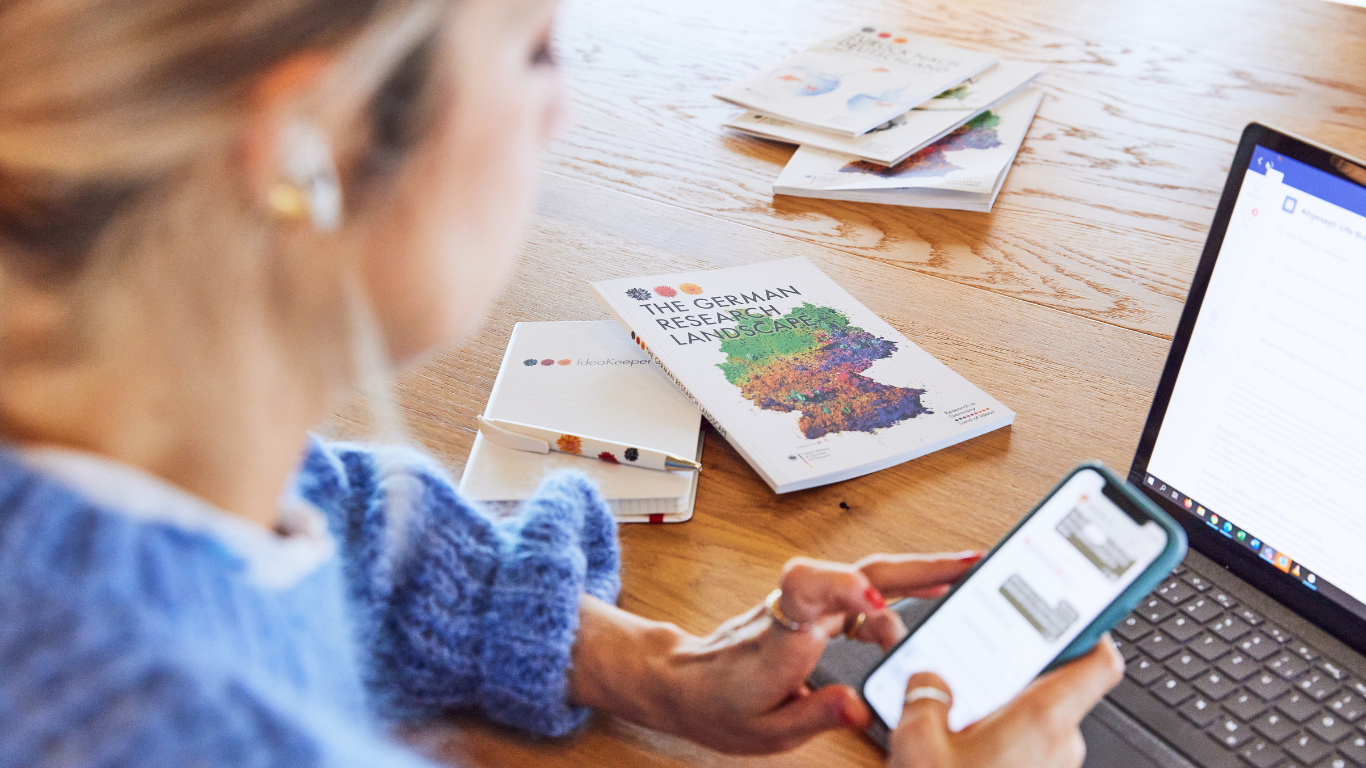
590 379
857 80
804 381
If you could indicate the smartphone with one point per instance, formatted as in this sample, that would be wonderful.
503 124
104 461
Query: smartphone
1081 560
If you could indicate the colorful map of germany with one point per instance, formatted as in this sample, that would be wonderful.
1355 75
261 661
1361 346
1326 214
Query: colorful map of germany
818 372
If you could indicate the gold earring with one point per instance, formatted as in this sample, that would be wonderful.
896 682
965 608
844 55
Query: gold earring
312 190
287 201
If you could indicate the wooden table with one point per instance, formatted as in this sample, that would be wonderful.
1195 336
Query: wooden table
1060 303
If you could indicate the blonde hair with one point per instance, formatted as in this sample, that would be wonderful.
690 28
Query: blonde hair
101 100
117 119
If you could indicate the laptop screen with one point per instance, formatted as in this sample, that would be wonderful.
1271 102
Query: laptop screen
1264 436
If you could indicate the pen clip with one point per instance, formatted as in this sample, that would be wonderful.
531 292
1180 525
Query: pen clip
506 439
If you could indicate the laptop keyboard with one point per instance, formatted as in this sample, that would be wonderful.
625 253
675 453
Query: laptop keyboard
1227 686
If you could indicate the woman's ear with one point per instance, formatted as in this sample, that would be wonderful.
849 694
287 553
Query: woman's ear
287 159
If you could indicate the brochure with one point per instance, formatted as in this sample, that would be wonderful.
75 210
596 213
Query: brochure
857 80
804 381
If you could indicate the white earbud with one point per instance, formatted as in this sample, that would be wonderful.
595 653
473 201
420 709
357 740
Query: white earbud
312 187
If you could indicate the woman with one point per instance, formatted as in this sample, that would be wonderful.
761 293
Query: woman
216 216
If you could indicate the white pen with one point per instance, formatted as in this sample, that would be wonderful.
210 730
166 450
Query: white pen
527 437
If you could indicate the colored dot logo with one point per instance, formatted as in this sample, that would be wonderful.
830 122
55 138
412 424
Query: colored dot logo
547 362
639 294
692 289
884 34
665 291
631 454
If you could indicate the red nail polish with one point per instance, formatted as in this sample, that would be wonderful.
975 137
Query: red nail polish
874 597
971 557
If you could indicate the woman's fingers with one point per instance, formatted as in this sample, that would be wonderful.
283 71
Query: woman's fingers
835 706
813 589
1063 697
884 628
916 575
1039 728
924 725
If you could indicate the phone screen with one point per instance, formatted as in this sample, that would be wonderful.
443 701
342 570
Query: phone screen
1024 604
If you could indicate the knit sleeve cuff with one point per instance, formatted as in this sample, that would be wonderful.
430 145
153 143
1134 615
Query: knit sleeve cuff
562 546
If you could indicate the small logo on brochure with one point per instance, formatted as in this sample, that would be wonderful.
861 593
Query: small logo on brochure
665 291
551 362
810 455
883 35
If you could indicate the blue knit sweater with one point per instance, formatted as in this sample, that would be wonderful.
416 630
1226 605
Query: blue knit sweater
131 643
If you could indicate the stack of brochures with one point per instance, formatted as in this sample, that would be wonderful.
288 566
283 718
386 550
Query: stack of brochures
886 116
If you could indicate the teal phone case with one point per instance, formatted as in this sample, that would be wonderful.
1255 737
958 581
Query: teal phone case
1146 582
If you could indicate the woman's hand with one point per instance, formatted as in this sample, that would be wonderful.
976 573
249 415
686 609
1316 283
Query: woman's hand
1040 728
743 688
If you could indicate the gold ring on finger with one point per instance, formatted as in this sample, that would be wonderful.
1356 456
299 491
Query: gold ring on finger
776 613
852 630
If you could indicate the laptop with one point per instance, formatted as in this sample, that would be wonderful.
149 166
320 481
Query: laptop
1251 653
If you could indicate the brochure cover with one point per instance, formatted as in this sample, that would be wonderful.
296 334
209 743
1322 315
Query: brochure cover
857 80
803 380
973 158
587 379
903 135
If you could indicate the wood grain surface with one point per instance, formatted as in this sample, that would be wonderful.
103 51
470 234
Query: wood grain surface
1107 205
1059 303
